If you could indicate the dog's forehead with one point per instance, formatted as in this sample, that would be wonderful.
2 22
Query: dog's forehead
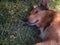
40 12
34 9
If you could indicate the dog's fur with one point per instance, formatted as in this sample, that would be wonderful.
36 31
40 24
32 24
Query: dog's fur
52 33
41 17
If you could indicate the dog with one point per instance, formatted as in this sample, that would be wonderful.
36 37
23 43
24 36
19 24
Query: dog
48 22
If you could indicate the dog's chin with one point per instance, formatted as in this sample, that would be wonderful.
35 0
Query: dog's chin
33 23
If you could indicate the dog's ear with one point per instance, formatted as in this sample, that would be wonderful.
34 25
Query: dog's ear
42 2
32 6
45 3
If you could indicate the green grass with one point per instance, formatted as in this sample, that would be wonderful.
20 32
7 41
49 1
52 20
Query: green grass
55 5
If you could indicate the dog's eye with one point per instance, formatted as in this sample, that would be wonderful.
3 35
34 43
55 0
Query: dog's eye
36 11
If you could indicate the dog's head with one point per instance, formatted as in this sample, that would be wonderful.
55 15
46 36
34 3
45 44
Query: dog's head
36 16
39 16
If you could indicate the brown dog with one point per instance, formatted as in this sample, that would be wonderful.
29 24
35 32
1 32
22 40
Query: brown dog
41 17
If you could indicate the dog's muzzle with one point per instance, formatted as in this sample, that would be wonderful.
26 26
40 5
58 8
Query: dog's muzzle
33 22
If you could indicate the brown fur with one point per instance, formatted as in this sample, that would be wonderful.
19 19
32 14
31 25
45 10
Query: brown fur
52 32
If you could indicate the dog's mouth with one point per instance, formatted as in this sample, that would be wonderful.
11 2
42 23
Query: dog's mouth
33 22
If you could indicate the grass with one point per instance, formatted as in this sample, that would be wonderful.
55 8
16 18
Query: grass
55 5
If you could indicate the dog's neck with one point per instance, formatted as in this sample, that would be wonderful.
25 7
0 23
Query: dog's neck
47 20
